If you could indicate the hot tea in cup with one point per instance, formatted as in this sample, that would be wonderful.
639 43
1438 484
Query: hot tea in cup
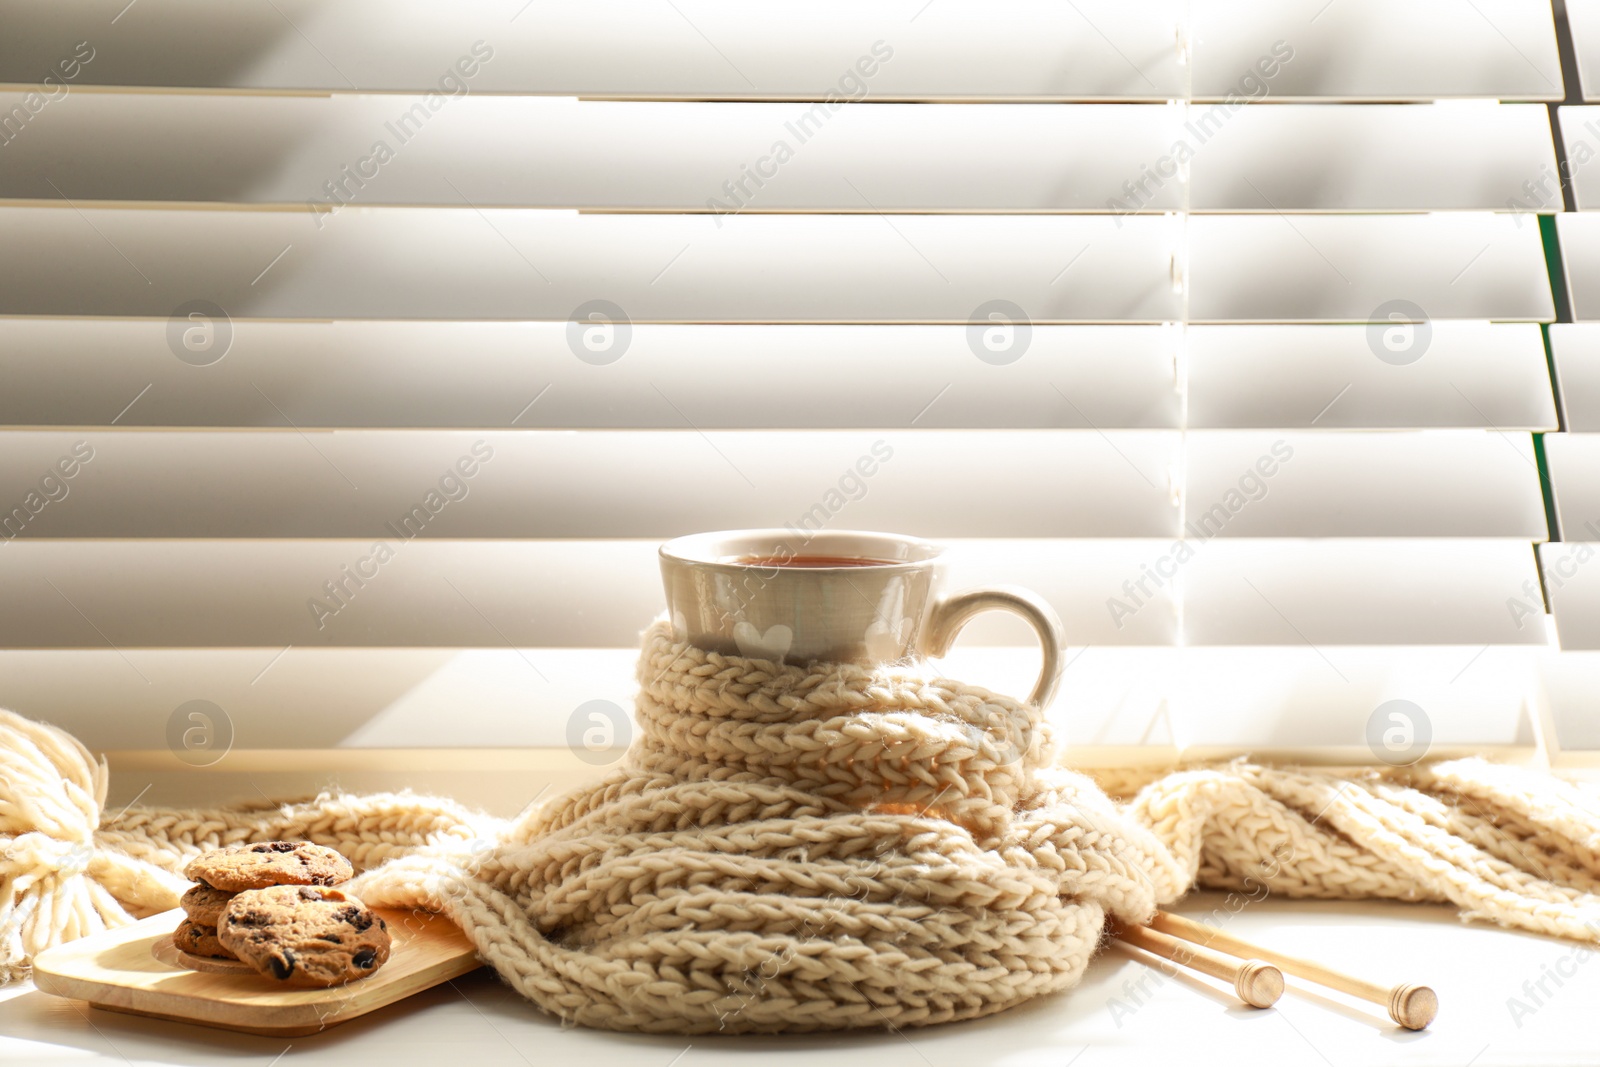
840 597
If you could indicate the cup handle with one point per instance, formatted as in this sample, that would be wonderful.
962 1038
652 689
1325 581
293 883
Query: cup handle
953 612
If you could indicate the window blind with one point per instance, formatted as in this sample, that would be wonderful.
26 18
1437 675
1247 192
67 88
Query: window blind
1221 325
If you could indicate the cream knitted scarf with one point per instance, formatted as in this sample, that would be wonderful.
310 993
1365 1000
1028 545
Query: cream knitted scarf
790 849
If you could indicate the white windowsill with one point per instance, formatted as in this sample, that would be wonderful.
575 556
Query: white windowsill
1474 969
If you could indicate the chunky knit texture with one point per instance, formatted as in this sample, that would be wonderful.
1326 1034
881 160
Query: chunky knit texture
790 849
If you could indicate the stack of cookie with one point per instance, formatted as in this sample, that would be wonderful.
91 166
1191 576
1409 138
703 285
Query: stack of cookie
272 905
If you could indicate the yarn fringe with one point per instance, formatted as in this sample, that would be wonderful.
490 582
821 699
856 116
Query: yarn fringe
788 849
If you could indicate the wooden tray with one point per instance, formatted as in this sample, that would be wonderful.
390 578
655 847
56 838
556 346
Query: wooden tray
137 969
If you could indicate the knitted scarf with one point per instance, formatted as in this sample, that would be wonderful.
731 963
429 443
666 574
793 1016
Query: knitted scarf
807 848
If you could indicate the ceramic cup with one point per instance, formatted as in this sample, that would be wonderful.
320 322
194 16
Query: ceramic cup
843 596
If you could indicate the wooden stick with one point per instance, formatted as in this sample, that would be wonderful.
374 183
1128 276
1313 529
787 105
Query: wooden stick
1411 1005
1257 984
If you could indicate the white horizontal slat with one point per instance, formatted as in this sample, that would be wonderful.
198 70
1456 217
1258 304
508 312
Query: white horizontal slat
488 484
1574 464
85 372
321 153
443 263
1583 18
565 153
1572 584
1575 350
695 49
448 483
1440 483
558 594
1373 49
1262 699
1379 157
1363 592
398 485
1323 268
1456 374
1579 235
413 263
1088 49
528 594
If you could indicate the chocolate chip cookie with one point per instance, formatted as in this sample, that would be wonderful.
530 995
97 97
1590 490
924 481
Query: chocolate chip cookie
268 863
199 940
204 904
305 935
